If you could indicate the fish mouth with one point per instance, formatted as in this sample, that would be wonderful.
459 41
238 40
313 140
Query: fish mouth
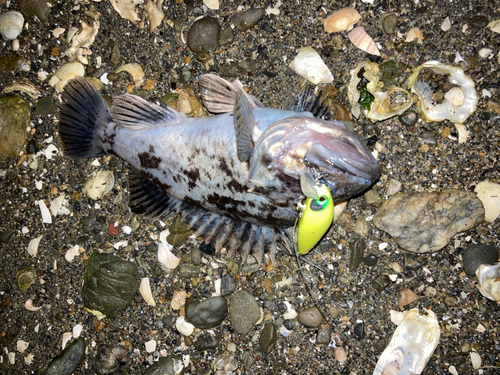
347 167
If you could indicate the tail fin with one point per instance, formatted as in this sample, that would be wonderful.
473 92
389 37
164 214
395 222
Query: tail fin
82 113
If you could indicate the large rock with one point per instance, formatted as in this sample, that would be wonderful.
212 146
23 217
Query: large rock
208 313
14 120
425 222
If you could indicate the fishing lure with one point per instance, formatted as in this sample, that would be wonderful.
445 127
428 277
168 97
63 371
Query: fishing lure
316 214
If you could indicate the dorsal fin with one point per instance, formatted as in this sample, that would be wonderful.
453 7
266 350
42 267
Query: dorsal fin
133 112
219 95
244 125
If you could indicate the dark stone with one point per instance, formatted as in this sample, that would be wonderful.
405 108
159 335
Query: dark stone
105 362
208 313
359 330
227 285
357 249
10 63
165 366
206 342
188 271
289 324
69 359
324 336
381 282
409 118
208 249
244 312
46 105
226 37
203 36
268 338
40 8
475 255
248 19
370 260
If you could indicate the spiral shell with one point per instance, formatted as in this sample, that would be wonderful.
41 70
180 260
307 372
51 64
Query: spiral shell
489 281
11 24
309 64
363 41
341 20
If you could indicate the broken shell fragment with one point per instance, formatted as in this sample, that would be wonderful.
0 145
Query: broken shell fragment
489 193
99 185
341 20
309 64
489 281
81 42
145 290
65 73
456 107
126 8
134 70
184 328
414 33
11 25
387 23
155 13
411 345
446 24
363 41
166 257
494 26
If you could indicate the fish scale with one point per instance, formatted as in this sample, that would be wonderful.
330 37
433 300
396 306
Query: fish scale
233 177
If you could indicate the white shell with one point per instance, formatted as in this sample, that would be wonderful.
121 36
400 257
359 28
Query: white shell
184 328
363 41
134 70
155 14
46 217
65 73
99 185
81 42
22 346
166 257
475 358
126 8
445 110
29 305
489 281
309 64
11 24
145 289
211 4
494 26
414 33
411 346
446 24
33 246
178 300
489 193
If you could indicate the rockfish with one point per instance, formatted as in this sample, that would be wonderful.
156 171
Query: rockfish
233 177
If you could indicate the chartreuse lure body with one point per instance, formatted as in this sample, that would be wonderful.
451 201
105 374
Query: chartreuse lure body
316 213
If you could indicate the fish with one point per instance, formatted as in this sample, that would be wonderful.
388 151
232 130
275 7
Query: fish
233 177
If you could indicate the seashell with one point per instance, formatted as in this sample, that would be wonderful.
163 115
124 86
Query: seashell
77 330
463 133
155 13
15 45
211 4
99 185
58 31
485 52
341 20
65 73
475 359
28 305
81 42
309 64
184 328
446 24
494 26
150 346
489 281
65 338
166 257
178 300
456 107
340 354
33 246
145 290
411 345
134 70
363 41
387 23
489 193
25 86
22 346
414 33
46 217
11 24
126 8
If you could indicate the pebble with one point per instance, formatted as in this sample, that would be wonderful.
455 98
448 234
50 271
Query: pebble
478 254
393 187
226 37
425 222
370 260
25 278
207 313
387 23
14 119
105 362
381 282
165 366
46 105
244 312
289 324
310 317
6 235
39 8
324 336
413 261
246 20
268 338
409 118
188 271
406 297
10 63
359 330
203 36
206 342
196 258
69 359
227 285
357 249
372 198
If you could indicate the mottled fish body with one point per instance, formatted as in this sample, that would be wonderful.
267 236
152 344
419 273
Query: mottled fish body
234 177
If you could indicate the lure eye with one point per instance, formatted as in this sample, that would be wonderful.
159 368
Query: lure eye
319 203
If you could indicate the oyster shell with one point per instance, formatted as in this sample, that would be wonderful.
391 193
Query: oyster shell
341 20
411 345
363 41
309 64
460 102
386 104
489 281
11 24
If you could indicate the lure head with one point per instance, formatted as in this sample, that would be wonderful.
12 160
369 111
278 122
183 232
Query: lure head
317 213
321 148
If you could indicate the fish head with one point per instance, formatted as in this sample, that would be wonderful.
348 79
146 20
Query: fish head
325 149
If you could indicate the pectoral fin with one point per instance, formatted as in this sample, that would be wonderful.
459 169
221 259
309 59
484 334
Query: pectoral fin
244 125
